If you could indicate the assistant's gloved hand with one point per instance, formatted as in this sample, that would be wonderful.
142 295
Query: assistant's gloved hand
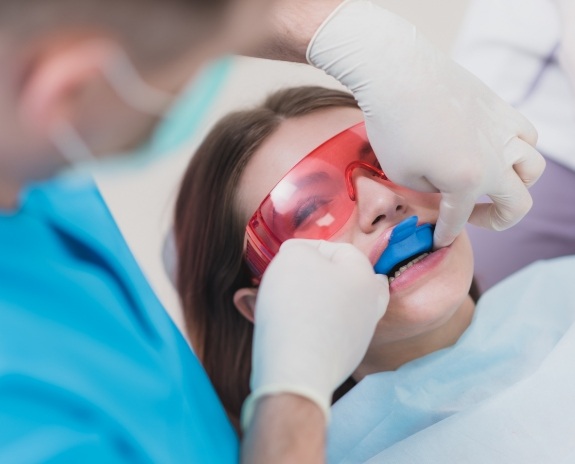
316 311
433 125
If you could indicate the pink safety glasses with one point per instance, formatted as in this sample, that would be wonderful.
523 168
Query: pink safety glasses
313 200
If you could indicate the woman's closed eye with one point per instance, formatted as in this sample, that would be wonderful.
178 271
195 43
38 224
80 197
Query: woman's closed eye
311 209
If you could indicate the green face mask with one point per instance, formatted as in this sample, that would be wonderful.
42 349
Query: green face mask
175 128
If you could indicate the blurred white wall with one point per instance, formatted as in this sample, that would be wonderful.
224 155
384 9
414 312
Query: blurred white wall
142 200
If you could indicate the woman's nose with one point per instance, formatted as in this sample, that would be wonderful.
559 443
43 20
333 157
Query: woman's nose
378 205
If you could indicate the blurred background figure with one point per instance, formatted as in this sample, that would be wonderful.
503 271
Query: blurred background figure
524 50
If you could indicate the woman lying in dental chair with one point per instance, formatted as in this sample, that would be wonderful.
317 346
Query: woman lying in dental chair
446 378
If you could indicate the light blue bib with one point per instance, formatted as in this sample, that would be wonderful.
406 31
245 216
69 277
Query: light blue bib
503 393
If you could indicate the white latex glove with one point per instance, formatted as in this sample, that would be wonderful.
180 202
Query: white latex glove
433 125
316 311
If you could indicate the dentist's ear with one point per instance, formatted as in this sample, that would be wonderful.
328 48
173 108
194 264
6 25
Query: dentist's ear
245 302
57 77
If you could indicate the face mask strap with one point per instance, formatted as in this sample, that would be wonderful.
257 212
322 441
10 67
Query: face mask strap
127 82
70 144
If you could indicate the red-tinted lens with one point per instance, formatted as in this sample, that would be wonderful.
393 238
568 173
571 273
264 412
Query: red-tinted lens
313 200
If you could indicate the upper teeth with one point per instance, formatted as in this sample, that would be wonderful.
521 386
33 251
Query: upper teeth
407 266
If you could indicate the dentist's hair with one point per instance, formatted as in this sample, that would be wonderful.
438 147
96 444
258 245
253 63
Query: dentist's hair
151 30
209 234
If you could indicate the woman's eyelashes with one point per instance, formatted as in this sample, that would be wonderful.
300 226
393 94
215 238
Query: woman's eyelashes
310 209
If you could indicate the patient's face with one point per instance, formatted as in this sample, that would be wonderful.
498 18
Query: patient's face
424 296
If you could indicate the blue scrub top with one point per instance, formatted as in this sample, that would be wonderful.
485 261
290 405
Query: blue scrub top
92 369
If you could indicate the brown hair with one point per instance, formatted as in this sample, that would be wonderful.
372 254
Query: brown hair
209 235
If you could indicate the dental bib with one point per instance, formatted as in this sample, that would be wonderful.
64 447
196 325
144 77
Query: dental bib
407 240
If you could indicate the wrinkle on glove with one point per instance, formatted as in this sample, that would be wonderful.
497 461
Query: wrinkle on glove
503 393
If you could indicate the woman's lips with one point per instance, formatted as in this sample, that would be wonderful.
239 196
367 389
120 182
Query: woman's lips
419 270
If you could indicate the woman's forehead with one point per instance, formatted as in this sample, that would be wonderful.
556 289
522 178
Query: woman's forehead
290 143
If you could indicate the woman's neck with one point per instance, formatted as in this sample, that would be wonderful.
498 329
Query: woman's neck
392 355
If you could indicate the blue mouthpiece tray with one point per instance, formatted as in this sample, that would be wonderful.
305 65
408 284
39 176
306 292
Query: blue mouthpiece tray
407 239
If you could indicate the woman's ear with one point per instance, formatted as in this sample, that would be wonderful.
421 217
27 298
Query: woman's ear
245 302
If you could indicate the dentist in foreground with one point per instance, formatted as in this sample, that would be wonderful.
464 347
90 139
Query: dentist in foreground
91 367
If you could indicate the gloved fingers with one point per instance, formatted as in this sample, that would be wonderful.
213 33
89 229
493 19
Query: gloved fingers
527 131
325 249
319 247
454 211
383 297
343 253
298 242
335 252
508 207
528 163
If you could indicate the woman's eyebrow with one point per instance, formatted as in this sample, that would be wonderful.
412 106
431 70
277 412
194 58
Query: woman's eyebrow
312 178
